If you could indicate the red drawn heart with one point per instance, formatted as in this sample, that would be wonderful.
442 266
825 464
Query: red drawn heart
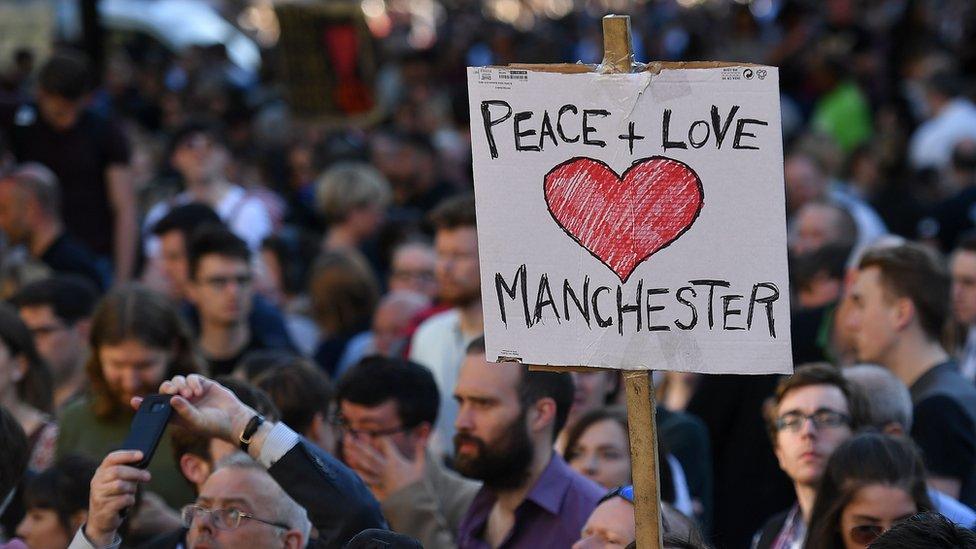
623 220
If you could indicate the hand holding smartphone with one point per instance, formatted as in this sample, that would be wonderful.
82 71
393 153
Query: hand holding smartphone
148 427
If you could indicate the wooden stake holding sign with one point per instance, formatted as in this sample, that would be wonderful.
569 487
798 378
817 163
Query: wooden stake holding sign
655 209
618 54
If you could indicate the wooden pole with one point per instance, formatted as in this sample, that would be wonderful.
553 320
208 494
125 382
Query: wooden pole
618 51
618 58
643 457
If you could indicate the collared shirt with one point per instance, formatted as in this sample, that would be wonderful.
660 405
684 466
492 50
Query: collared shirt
552 514
967 359
793 531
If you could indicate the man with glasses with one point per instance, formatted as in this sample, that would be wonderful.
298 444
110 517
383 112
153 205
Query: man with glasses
57 311
811 413
220 286
170 272
412 269
265 501
242 506
387 409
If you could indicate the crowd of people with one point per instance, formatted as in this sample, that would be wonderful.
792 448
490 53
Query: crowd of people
310 296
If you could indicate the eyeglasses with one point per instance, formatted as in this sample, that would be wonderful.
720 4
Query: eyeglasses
195 142
343 425
41 331
406 274
223 519
626 492
822 418
220 282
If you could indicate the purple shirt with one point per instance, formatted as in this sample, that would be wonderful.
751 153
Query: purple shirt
552 514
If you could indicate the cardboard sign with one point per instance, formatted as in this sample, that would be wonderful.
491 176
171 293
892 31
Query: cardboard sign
632 221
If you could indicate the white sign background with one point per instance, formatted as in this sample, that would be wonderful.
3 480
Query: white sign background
739 235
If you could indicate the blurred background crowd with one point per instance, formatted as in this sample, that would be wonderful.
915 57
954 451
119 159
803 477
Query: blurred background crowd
292 181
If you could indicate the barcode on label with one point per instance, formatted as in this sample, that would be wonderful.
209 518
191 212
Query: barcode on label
514 75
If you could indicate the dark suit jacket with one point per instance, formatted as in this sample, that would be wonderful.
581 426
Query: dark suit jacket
767 534
338 503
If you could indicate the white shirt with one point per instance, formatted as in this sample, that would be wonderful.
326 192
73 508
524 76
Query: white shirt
439 345
967 358
245 215
932 143
870 226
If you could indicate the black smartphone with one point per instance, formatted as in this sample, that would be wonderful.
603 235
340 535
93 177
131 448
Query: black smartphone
148 426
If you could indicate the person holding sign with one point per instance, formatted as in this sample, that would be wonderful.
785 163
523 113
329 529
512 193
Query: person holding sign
507 421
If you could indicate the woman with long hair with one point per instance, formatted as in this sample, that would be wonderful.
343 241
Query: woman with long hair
138 340
598 447
871 482
26 388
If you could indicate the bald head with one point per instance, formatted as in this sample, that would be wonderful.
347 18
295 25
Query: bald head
392 319
41 184
242 483
806 180
819 223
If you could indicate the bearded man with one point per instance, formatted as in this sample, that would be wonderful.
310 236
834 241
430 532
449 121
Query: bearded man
507 421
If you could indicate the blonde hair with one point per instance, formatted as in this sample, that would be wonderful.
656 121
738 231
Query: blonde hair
350 185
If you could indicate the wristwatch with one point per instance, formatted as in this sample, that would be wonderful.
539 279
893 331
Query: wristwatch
249 430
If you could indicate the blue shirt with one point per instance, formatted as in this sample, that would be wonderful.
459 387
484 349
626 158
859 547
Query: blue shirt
552 514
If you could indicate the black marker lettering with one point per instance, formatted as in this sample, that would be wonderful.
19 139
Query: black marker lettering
664 136
720 133
559 123
584 306
767 301
691 134
630 136
512 293
490 122
587 129
690 305
519 117
727 312
546 130
711 295
630 308
654 309
600 321
740 132
544 300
